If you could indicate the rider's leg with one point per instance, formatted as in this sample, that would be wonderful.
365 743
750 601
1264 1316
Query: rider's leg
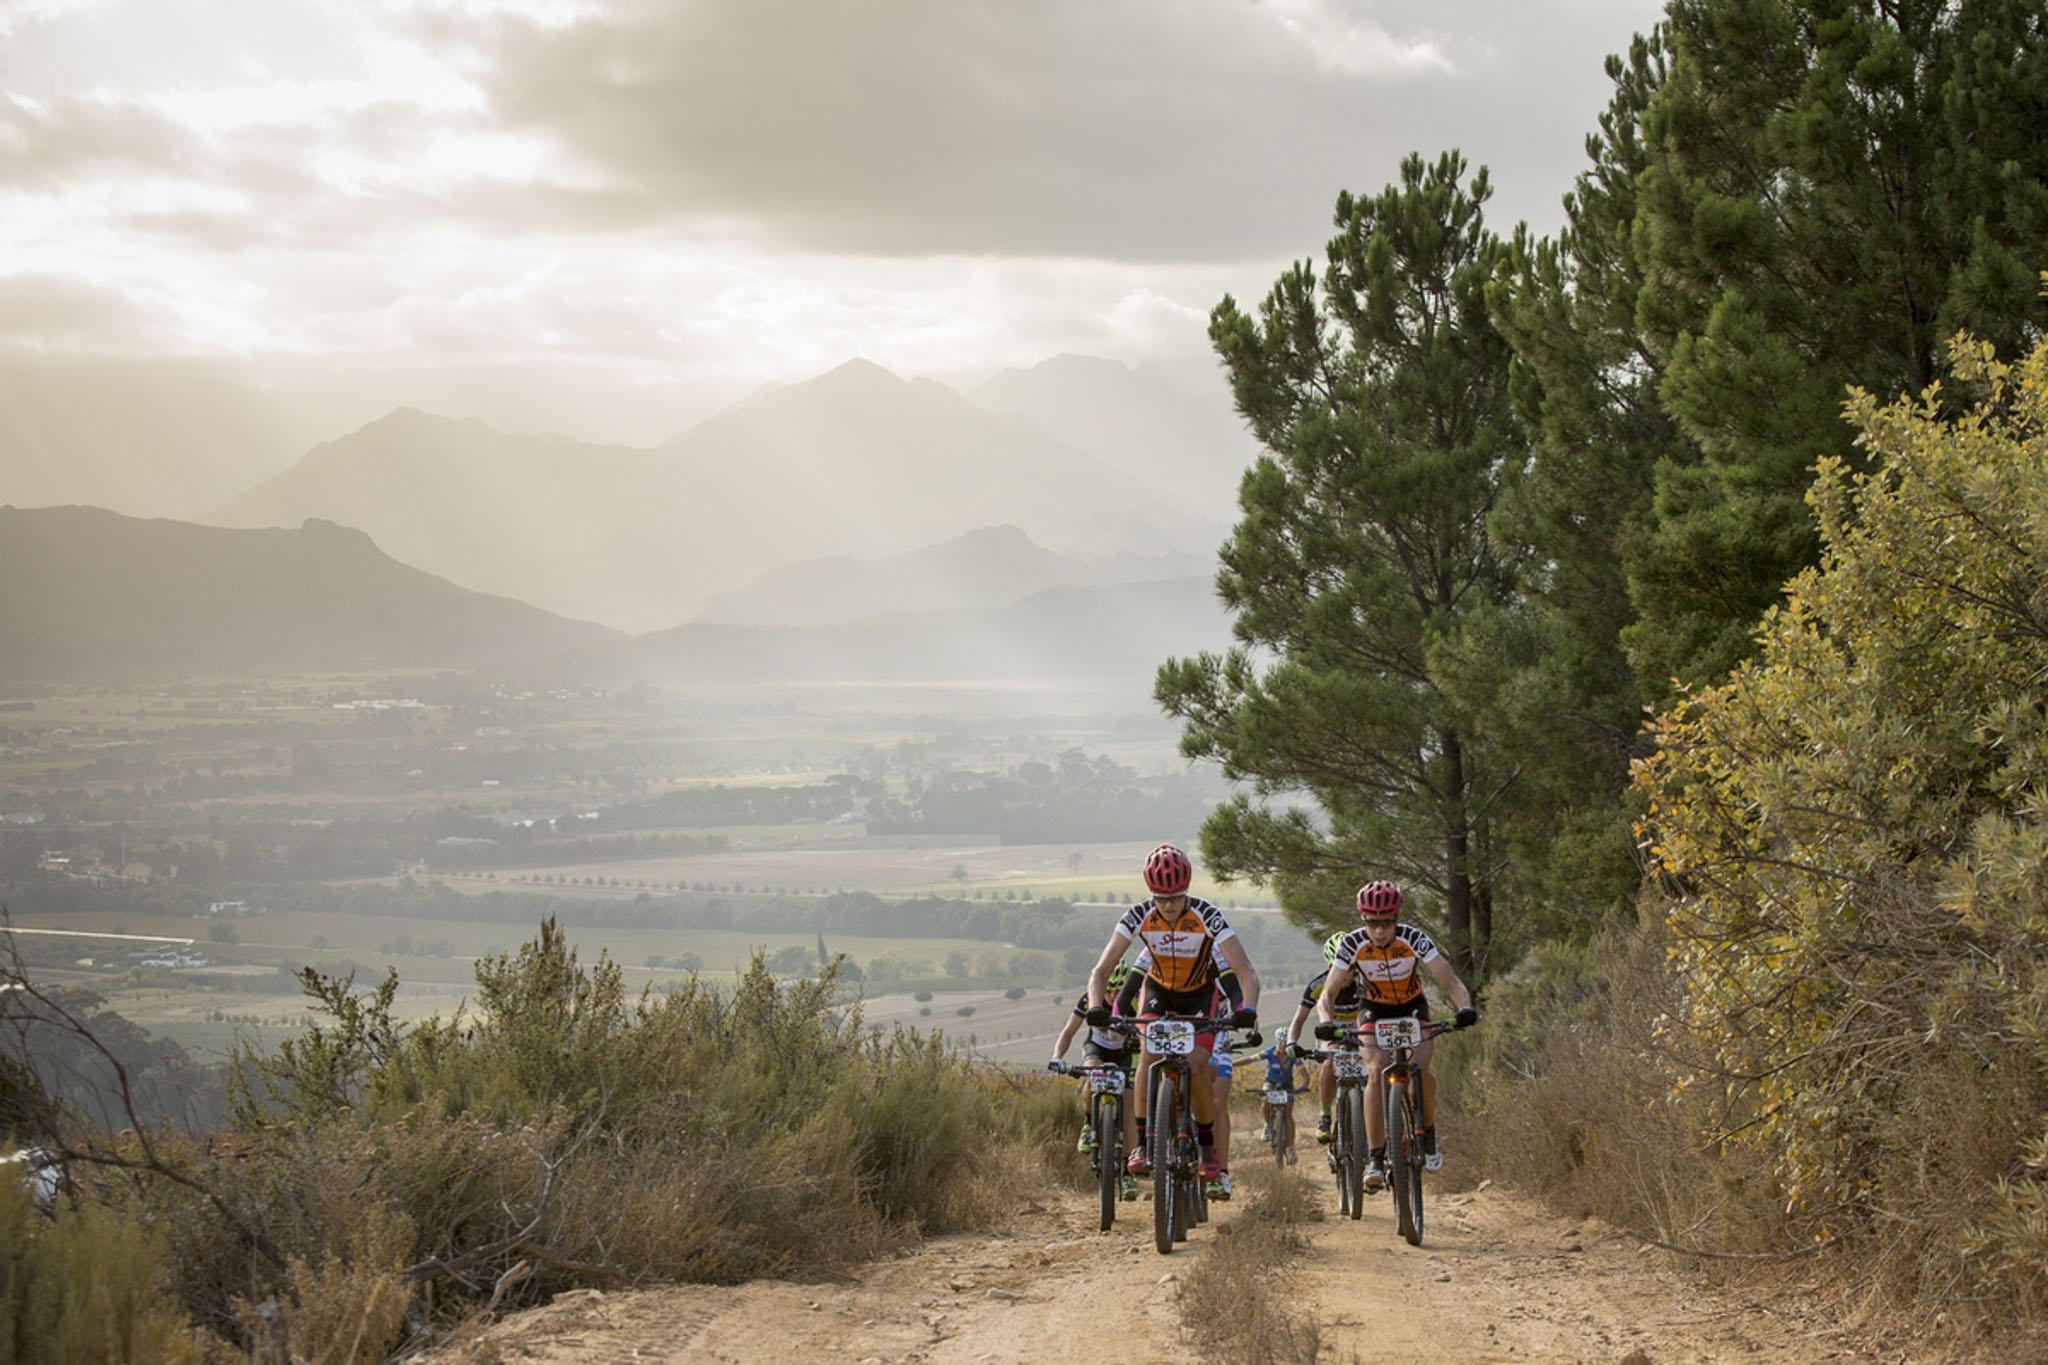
1222 1110
1204 1077
1375 1121
1422 1054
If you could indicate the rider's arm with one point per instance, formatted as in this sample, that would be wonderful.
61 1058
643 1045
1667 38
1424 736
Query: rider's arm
1461 998
1232 988
1294 1026
1340 977
1059 1049
1233 952
1112 953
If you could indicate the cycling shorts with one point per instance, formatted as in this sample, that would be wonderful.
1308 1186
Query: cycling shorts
1125 1057
1418 1008
1225 1068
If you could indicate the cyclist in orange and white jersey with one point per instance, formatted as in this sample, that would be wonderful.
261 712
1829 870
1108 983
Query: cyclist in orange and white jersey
1184 938
1382 957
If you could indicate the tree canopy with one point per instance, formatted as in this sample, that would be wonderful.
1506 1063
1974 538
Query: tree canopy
1362 575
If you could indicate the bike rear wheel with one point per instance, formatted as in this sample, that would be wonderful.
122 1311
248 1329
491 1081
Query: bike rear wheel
1283 1124
1351 1116
1404 1160
1109 1150
1165 1116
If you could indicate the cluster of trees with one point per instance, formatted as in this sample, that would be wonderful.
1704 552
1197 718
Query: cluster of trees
1693 560
1517 490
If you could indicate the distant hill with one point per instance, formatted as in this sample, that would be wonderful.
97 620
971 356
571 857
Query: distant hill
90 595
548 520
989 567
1122 631
856 462
1136 421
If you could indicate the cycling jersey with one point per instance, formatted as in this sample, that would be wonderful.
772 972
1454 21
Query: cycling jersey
1387 975
1180 944
1345 1006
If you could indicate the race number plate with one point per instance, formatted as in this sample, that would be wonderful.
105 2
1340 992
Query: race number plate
1278 1097
1392 1033
1169 1037
1106 1080
1351 1067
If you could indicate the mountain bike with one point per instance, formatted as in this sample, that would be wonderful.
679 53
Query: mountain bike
1280 1119
1401 1098
1349 1151
1107 1085
1178 1199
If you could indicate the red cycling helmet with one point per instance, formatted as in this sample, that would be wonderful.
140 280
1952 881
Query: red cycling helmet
1168 871
1379 900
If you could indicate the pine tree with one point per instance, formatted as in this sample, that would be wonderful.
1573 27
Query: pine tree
1832 188
1366 592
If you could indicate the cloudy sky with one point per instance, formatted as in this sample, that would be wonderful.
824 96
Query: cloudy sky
236 226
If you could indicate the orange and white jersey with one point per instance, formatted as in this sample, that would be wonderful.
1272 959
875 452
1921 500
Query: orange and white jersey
1387 975
1181 945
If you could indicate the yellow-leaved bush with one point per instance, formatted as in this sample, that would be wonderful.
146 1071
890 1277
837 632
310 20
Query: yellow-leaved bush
1849 839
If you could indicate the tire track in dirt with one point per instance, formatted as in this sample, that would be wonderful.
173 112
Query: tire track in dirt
1496 1280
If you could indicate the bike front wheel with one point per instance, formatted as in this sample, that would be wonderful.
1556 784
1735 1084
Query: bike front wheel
1165 1116
1109 1149
1404 1160
1351 1170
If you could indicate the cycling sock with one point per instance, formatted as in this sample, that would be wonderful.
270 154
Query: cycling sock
1141 1132
1205 1138
1379 1156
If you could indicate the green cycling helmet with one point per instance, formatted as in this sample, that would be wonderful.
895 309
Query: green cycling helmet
1330 947
1119 974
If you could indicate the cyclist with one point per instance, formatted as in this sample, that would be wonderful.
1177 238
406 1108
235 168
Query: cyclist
1344 1011
1283 1072
1183 936
1225 1000
1382 956
1103 1047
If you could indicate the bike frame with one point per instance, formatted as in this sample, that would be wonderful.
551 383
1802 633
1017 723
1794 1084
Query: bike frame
1178 1200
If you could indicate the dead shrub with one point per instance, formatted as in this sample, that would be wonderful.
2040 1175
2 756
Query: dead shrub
1233 1302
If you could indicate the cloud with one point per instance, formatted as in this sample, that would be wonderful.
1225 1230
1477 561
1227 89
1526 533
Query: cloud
1120 129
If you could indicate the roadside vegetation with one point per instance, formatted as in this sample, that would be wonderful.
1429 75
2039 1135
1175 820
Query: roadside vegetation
378 1181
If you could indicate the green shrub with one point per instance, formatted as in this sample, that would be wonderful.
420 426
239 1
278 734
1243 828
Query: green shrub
82 1287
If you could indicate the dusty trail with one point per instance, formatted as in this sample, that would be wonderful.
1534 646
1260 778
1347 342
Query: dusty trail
1496 1280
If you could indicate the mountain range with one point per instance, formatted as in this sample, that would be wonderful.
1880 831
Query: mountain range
856 463
992 566
90 595
1117 632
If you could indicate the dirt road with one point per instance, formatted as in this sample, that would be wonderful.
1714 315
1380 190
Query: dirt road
1495 1280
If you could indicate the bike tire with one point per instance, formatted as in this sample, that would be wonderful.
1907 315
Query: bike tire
1109 1135
1165 1115
1404 1162
1188 1205
1283 1122
1351 1105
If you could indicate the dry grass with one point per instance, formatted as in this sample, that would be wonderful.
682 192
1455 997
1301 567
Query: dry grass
1233 1304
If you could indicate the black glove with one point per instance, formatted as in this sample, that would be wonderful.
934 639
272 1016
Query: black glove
1056 1066
1302 1053
1325 1030
1098 1016
1253 1039
1243 1017
1467 1017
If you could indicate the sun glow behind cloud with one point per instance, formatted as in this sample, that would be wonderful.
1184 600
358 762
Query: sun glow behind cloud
718 190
